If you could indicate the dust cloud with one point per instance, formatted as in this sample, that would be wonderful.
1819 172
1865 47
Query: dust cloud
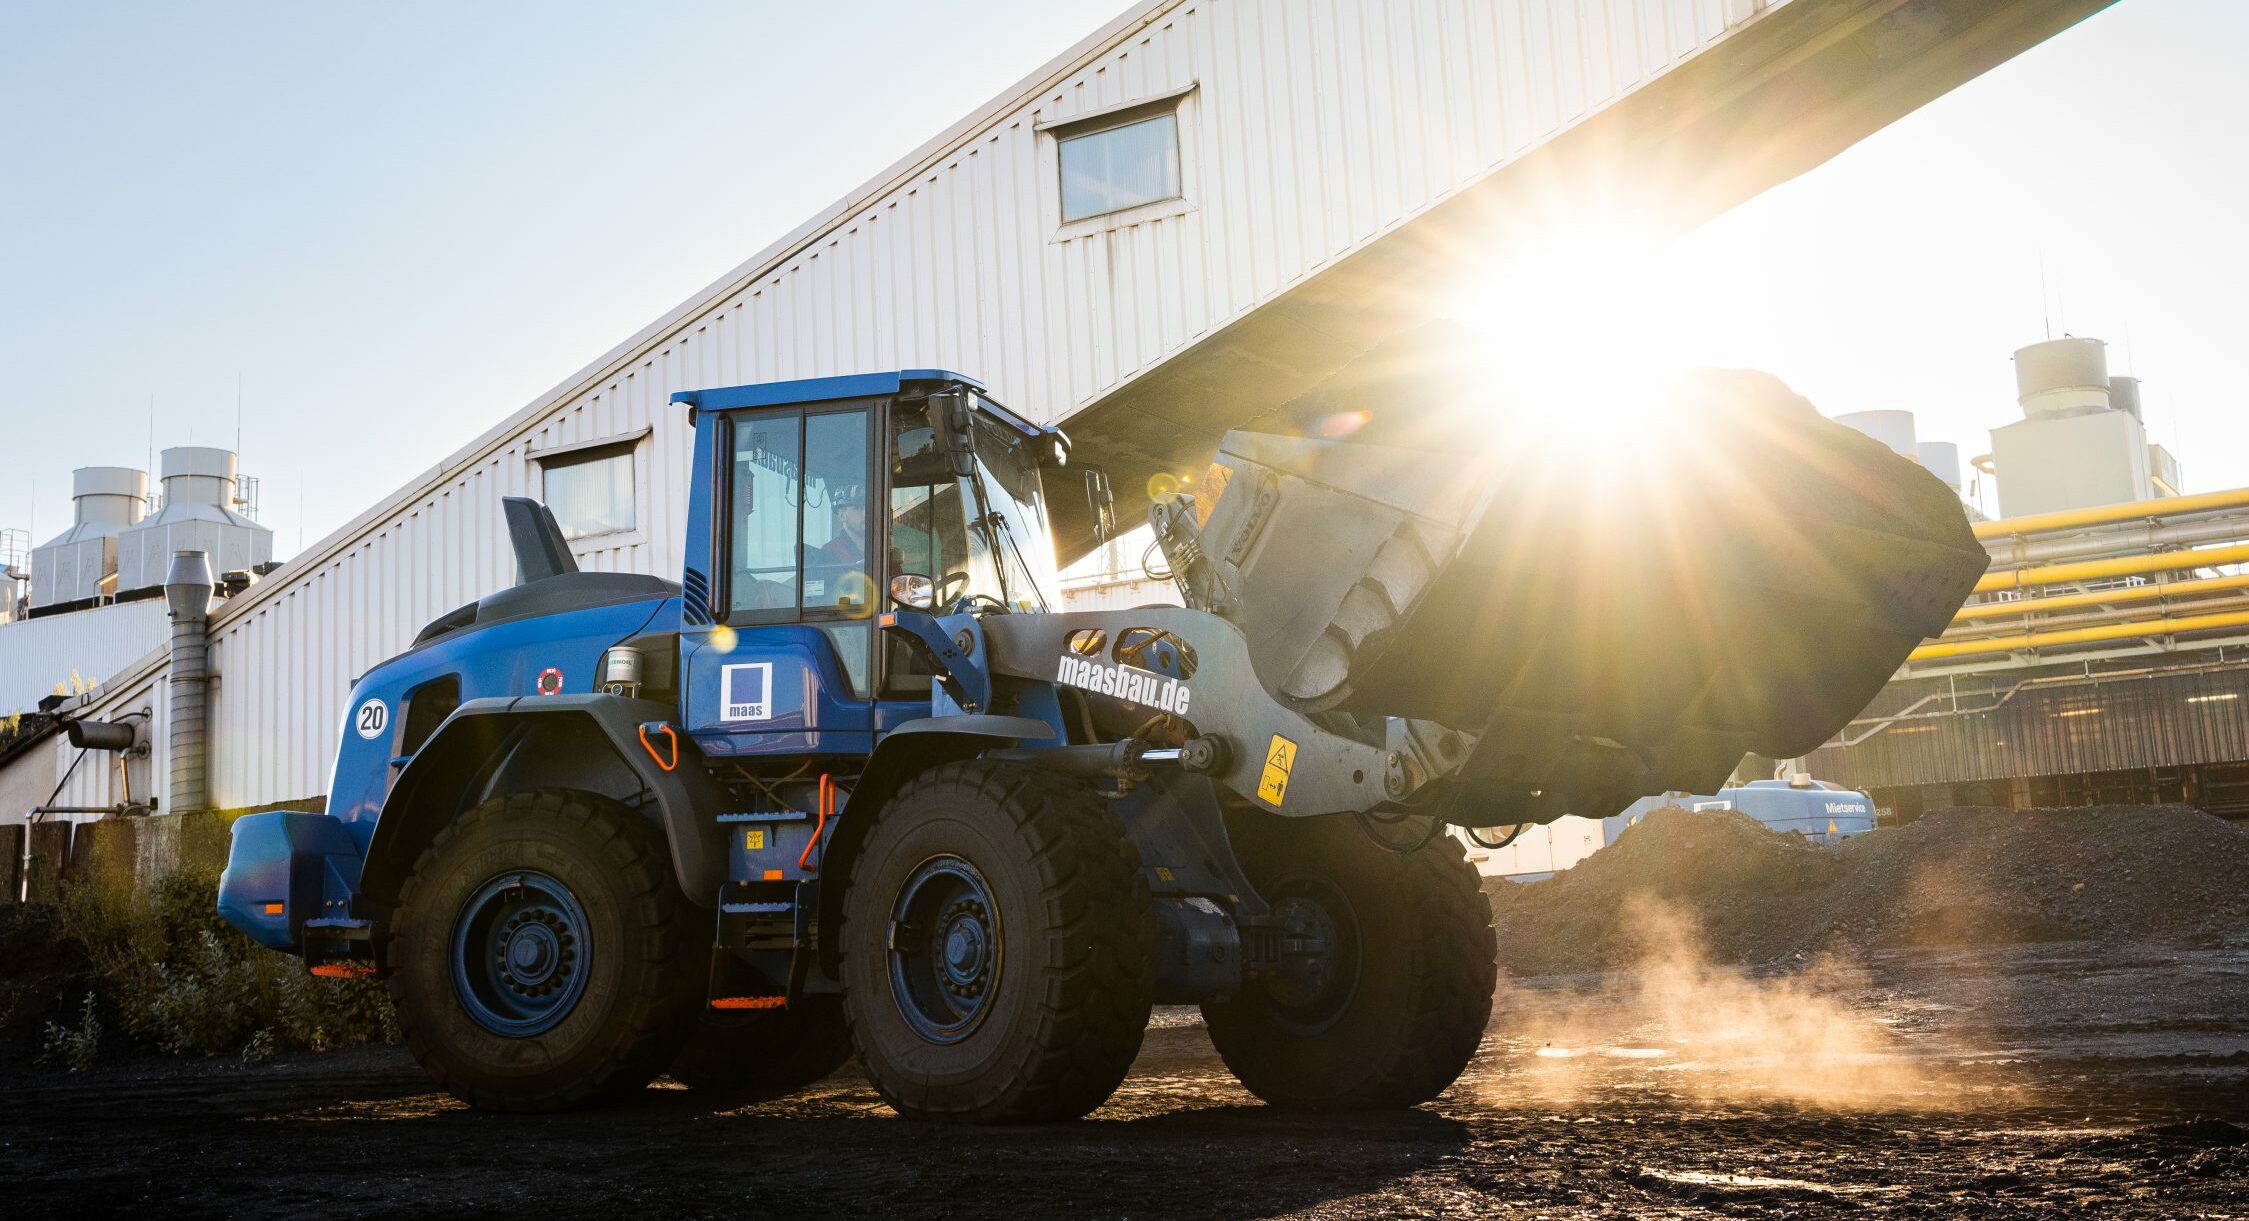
1819 1036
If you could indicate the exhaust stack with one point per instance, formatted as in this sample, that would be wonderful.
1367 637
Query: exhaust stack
187 596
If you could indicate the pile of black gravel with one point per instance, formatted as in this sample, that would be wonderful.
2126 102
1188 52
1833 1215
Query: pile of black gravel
1963 877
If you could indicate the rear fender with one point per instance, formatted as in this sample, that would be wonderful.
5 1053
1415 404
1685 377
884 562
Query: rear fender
590 742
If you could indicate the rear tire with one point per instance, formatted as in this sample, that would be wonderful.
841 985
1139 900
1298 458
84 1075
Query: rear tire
764 1054
1395 1011
539 955
1017 983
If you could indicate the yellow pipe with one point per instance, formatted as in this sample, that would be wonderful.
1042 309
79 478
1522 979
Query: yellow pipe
2107 515
2080 635
2102 597
2121 566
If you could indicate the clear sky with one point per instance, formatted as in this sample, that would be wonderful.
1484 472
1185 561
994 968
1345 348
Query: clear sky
397 224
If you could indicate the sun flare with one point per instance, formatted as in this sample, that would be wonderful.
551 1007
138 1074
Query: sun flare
1581 333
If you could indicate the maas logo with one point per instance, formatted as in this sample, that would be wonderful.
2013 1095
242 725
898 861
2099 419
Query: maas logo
745 692
1131 684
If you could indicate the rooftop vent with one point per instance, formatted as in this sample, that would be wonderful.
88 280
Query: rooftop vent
201 495
80 564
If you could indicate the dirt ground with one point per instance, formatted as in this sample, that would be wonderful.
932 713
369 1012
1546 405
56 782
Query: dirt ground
2027 1080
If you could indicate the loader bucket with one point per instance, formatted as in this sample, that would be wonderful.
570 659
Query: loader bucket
1606 624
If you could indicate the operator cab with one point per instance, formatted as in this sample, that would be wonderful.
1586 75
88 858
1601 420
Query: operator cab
827 502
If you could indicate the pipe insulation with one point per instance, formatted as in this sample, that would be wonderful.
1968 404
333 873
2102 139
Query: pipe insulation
2081 635
2121 566
2157 590
2113 540
187 596
2129 511
2027 623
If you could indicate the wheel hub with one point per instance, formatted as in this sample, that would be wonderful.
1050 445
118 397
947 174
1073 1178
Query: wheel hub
1317 975
945 949
518 954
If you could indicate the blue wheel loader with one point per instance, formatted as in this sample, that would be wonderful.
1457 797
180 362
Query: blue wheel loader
856 786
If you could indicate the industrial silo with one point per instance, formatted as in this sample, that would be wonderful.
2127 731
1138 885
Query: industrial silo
1942 459
1891 427
76 565
2062 376
198 514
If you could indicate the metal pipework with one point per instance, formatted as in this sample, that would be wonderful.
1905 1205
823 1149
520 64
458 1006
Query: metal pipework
2079 619
187 595
2153 590
2129 511
2112 540
2169 626
2027 623
2122 566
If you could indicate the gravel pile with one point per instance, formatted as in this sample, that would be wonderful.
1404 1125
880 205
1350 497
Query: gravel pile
1962 877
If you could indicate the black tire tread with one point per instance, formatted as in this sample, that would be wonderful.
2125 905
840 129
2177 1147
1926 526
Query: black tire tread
1096 1001
667 965
1451 972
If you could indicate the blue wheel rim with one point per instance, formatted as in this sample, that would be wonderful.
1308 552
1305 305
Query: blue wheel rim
520 954
945 949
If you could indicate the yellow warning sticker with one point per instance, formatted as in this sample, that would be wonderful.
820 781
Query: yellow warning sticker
753 840
1163 874
1272 784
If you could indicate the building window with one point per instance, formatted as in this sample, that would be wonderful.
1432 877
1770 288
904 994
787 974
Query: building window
591 490
1120 165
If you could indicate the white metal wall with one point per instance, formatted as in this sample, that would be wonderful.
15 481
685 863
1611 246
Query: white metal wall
96 780
1313 126
74 651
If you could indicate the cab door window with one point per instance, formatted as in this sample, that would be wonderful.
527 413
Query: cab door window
836 573
766 484
799 530
799 516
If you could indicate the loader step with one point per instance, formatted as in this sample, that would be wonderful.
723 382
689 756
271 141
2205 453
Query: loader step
764 816
749 1002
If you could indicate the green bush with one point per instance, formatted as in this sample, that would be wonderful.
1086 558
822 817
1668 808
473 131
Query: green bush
74 1047
178 978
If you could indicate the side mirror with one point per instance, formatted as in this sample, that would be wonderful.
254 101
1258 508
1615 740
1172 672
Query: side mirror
914 590
954 421
1102 503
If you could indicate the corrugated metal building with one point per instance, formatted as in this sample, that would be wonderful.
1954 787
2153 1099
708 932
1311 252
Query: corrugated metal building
74 652
2178 733
1332 157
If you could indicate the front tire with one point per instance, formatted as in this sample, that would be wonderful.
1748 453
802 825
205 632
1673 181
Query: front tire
996 947
1391 1010
539 953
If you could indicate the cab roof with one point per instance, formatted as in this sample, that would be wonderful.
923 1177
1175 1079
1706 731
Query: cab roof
852 386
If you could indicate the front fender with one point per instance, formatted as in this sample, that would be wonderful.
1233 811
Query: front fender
489 746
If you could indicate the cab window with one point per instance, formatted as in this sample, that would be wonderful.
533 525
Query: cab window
799 516
766 481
